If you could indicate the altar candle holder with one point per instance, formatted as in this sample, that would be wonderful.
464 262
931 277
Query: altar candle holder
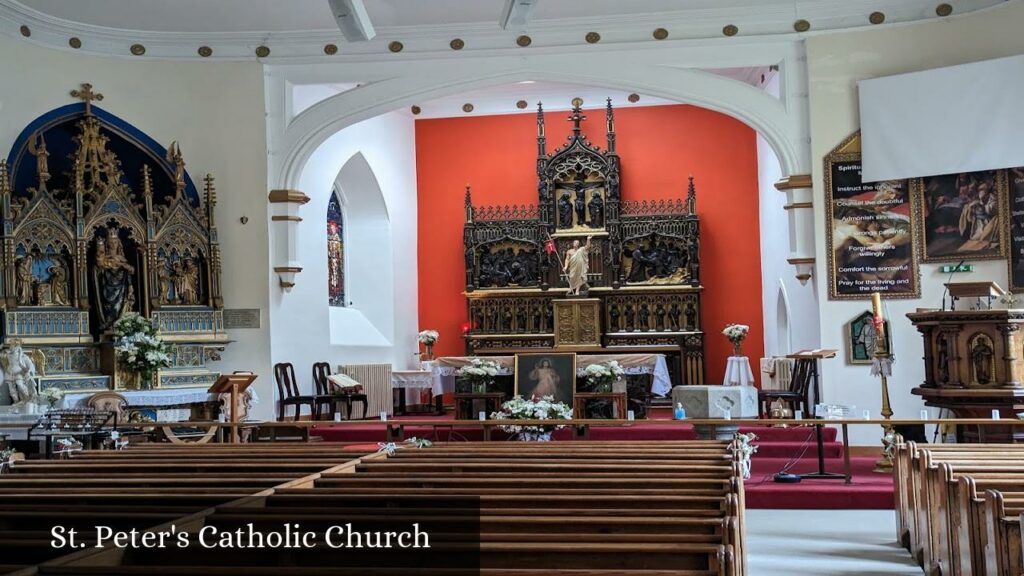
882 361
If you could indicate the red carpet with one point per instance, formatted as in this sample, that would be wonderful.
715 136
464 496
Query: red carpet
777 448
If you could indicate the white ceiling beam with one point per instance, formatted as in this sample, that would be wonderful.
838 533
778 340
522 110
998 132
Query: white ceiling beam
352 20
516 13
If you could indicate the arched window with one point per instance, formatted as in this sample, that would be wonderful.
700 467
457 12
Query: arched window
335 252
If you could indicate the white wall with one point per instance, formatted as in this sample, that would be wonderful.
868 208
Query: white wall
835 63
215 111
778 277
372 162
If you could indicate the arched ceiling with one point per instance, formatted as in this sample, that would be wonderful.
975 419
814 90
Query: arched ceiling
303 28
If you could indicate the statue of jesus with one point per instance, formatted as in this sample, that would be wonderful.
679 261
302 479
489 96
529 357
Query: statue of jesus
577 264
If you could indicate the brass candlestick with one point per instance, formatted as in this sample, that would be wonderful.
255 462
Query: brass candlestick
883 362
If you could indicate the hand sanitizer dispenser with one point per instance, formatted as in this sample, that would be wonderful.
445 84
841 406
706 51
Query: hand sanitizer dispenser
679 413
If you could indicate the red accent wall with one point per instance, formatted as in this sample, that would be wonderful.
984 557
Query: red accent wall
659 147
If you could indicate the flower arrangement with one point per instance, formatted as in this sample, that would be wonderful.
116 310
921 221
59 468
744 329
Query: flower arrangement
545 408
51 396
428 338
602 376
478 375
736 333
138 345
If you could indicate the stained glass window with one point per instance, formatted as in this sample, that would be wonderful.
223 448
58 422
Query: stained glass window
335 253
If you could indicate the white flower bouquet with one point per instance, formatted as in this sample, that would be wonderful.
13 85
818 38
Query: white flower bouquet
602 376
545 408
736 333
138 345
428 337
478 375
51 396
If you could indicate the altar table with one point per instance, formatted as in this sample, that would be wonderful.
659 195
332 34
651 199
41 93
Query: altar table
444 369
407 385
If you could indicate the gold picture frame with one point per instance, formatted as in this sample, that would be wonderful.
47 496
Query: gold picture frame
546 374
942 202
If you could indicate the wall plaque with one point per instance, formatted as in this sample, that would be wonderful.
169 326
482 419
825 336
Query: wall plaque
242 318
1015 177
871 230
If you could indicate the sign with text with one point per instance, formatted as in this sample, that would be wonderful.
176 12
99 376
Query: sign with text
871 230
1015 178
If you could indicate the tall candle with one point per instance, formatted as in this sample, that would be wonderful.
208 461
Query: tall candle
876 306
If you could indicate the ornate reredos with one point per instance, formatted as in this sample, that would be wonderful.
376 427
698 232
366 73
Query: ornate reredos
67 190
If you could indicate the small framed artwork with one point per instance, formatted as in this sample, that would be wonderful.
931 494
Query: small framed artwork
546 374
964 216
862 339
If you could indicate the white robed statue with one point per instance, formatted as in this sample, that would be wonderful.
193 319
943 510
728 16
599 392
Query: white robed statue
19 373
577 264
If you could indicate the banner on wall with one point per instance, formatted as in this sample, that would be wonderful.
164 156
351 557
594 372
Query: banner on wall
1015 196
871 230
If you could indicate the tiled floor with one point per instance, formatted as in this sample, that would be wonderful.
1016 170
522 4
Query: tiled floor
825 543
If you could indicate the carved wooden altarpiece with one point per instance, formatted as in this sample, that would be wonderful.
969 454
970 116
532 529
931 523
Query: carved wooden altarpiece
98 221
644 261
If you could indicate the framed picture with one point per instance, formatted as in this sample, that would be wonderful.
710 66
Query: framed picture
546 374
964 216
871 230
1015 213
862 339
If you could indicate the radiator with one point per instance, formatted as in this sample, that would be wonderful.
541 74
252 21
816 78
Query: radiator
783 376
376 381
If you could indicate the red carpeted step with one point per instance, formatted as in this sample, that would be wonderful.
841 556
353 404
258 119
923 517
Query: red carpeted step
772 434
794 449
868 490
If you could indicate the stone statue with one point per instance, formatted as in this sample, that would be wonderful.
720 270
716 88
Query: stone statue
59 283
42 158
25 280
673 316
581 206
629 318
981 359
577 264
565 211
596 206
659 317
113 279
187 284
691 316
644 319
163 279
18 372
614 315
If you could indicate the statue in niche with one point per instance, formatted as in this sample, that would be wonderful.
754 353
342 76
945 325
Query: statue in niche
644 321
691 316
19 371
693 258
163 280
478 319
614 314
537 319
521 325
38 149
659 317
506 321
580 206
59 284
549 317
629 318
565 210
981 360
577 264
495 325
943 358
596 206
186 282
113 279
673 317
25 280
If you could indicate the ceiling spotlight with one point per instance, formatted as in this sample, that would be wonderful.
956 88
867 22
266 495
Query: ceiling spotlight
353 20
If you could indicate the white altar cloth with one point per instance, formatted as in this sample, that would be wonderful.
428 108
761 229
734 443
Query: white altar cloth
738 372
444 369
158 397
412 382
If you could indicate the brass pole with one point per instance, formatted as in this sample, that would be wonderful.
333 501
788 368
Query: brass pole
882 359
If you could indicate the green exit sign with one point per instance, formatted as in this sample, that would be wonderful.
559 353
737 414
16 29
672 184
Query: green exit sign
949 268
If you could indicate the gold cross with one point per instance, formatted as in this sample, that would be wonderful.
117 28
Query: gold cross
87 95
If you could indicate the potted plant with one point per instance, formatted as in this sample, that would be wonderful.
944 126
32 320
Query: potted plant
545 408
736 333
602 376
138 346
478 375
428 338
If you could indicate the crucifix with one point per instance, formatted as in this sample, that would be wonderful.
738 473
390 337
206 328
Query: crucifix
87 95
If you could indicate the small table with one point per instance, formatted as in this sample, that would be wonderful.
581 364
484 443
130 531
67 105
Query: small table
580 399
464 403
404 380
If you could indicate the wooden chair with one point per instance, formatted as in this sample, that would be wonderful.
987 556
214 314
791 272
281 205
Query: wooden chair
324 397
796 395
288 392
108 402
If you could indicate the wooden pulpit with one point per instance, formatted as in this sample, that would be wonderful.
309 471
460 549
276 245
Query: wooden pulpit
973 365
233 384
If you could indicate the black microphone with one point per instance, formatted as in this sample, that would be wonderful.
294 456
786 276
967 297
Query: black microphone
948 280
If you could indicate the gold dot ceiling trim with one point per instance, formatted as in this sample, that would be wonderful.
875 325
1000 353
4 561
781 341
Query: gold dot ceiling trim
75 42
138 49
801 25
730 30
521 104
330 49
660 34
944 9
876 18
524 41
592 37
25 31
457 44
577 102
262 51
467 107
634 98
396 46
415 109
205 51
